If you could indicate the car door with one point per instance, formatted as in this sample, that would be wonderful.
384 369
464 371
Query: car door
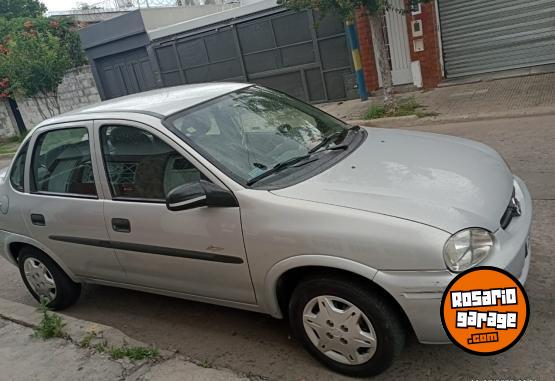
62 208
161 249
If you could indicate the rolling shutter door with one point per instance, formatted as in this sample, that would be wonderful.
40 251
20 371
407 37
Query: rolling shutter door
485 36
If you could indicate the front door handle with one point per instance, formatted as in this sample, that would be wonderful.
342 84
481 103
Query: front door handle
121 225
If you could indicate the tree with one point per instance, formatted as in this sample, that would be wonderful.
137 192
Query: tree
34 56
375 10
62 28
35 66
10 9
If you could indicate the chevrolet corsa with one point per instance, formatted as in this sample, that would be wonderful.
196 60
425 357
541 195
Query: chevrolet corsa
241 196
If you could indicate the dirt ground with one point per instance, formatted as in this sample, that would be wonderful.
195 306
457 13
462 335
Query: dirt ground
257 344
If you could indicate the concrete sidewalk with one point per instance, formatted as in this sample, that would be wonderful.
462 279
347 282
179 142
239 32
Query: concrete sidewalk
497 98
24 357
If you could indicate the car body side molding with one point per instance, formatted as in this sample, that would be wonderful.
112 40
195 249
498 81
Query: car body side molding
149 249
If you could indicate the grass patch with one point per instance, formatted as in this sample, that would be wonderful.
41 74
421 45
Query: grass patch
117 353
50 326
8 147
375 112
405 107
133 353
205 364
86 340
100 347
11 144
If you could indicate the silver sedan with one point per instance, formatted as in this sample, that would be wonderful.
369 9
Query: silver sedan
242 196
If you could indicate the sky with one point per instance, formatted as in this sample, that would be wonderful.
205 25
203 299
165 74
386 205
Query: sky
65 5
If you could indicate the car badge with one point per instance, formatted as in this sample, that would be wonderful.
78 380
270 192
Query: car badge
515 205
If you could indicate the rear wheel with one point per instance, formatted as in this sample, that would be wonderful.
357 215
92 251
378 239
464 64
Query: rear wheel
346 326
45 280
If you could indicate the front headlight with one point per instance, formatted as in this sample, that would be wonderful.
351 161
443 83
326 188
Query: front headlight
467 248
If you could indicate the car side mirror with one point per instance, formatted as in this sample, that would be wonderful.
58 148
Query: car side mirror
196 195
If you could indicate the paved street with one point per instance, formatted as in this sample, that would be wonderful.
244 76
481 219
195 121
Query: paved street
259 345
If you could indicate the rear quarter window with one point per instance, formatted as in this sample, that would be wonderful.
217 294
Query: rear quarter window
17 175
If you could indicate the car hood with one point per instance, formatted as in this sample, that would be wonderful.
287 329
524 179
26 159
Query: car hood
445 182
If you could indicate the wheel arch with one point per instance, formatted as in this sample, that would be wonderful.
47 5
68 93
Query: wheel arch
14 243
285 275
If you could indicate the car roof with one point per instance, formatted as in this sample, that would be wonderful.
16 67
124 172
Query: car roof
160 102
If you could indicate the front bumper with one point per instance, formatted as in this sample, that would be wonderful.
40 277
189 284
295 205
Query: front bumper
419 293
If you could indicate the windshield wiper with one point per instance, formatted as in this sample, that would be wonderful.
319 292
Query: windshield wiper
328 140
278 167
290 162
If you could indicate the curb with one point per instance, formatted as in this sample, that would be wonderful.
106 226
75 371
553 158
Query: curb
170 366
413 120
76 329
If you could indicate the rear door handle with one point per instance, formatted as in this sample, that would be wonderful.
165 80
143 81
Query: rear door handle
121 225
38 219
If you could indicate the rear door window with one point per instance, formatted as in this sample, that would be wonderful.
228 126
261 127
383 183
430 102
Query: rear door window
62 163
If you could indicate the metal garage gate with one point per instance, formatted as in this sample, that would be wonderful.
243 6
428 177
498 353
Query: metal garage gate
126 73
283 51
486 36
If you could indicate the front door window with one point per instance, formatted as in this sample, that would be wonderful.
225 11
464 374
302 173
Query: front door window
141 166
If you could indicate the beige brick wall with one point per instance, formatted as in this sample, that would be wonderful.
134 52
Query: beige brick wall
7 128
77 90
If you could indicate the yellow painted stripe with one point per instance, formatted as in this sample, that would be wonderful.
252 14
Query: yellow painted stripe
356 59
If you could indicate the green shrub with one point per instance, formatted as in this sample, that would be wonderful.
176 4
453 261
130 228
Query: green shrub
375 112
50 326
86 341
404 107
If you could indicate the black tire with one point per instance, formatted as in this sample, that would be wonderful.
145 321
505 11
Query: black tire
385 319
67 291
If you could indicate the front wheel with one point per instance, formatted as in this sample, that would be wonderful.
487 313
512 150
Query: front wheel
346 326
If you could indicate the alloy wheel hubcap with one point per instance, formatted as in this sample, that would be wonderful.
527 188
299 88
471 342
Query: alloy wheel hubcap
340 330
40 279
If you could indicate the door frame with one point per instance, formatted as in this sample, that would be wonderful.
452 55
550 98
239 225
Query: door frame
153 248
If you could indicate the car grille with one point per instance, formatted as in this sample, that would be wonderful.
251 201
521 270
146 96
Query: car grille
513 210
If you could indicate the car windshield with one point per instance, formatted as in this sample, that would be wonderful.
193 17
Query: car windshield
249 132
